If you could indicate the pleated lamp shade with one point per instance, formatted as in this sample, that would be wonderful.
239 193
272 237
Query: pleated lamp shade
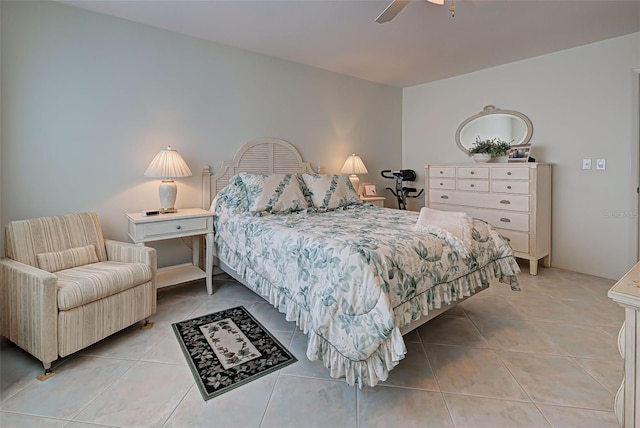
352 166
168 164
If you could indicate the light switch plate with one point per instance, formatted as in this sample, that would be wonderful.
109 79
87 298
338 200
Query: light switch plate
586 163
601 164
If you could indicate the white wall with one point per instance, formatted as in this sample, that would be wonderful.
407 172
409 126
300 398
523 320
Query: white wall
583 103
88 100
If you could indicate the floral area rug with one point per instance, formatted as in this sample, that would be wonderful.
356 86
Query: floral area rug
228 349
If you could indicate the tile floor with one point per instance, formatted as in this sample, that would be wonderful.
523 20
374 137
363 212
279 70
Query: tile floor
546 356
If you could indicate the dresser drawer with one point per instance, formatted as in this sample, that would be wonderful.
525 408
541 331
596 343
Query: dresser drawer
473 185
520 187
481 200
442 183
442 172
506 173
473 172
519 241
171 227
501 219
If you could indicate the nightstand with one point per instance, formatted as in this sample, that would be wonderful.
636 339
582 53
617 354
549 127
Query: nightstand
375 200
184 223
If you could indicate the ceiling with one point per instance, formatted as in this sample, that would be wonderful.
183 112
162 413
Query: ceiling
421 44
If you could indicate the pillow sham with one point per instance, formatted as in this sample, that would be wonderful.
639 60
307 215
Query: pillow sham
67 259
273 193
232 197
330 191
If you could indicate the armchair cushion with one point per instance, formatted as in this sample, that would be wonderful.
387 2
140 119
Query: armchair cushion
85 284
67 259
24 239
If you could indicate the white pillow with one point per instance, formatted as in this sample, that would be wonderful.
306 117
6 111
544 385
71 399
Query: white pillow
273 193
330 191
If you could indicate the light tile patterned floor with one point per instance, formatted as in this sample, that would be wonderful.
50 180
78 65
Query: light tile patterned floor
546 356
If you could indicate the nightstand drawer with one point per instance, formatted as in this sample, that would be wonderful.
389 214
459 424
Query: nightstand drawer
375 200
171 227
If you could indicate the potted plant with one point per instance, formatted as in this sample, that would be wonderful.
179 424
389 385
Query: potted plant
484 150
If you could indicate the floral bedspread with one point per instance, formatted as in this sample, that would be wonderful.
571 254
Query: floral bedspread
352 278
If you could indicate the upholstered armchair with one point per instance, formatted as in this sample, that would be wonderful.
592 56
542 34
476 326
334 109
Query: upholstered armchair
64 287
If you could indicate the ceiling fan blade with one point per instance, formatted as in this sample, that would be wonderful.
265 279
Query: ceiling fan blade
391 11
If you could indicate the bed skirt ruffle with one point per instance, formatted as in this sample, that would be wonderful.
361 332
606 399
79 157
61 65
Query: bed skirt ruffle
375 368
505 270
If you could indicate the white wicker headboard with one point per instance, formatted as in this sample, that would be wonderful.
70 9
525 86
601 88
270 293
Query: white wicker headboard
265 155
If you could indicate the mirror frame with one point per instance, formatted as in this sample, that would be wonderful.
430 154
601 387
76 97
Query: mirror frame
489 110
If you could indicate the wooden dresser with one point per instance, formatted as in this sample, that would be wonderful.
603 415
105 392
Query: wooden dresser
515 198
626 292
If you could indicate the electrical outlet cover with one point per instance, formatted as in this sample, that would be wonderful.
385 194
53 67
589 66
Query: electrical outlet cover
586 163
600 164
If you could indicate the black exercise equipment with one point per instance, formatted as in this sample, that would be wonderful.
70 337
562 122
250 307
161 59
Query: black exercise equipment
401 192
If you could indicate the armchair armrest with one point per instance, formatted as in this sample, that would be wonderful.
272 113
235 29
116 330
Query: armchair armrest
124 252
29 309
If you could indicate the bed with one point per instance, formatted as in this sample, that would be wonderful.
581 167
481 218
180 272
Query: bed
353 276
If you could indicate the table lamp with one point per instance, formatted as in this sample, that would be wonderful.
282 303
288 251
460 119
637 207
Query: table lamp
168 164
353 166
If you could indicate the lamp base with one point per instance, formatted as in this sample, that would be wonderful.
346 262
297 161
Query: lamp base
167 192
168 210
355 182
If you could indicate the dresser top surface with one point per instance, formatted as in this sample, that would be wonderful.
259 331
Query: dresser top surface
489 164
627 290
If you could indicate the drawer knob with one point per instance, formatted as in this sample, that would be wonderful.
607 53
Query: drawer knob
444 197
473 185
505 220
441 172
473 172
442 184
178 227
508 172
508 187
505 202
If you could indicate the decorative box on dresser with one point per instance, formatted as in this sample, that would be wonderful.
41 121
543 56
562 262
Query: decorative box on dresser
626 292
515 198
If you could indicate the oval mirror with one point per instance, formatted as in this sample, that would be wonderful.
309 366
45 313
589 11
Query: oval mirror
507 125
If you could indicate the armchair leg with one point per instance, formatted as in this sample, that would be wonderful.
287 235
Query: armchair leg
47 373
147 324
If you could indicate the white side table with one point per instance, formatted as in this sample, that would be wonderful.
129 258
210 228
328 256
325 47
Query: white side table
184 223
375 200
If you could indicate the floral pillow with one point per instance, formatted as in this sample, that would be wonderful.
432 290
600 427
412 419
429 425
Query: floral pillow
330 191
273 193
232 197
